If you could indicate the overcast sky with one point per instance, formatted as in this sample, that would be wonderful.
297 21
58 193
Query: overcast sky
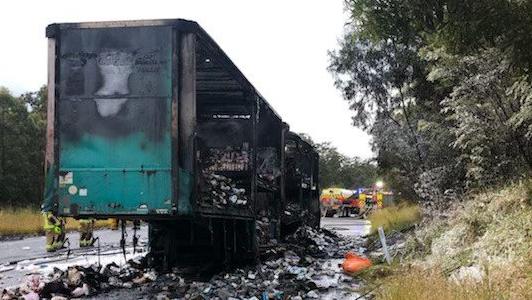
281 47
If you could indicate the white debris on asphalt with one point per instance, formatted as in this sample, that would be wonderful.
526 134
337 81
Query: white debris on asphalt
305 266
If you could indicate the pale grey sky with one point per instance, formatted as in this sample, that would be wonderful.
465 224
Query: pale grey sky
281 46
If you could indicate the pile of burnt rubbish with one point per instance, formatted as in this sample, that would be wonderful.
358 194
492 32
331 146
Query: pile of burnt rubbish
228 159
80 281
263 230
221 191
293 209
305 267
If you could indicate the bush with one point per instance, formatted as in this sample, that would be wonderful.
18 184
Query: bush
492 225
489 231
395 217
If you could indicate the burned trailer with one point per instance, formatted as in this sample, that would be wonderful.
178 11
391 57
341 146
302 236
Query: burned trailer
270 175
301 205
151 120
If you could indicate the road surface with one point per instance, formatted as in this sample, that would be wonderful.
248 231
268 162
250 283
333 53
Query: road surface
22 257
31 247
26 256
347 226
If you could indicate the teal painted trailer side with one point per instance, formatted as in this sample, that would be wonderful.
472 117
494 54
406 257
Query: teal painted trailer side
114 104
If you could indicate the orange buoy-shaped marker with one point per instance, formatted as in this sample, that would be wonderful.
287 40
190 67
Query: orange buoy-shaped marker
354 263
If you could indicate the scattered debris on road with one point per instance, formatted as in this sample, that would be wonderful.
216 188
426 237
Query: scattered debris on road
306 266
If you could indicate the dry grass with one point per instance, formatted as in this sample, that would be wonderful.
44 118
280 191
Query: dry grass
415 284
30 222
20 222
490 226
395 217
489 231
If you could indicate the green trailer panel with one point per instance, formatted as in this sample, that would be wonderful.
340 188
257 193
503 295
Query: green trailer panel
114 121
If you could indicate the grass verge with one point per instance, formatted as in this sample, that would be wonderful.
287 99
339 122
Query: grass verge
417 284
482 249
14 222
394 217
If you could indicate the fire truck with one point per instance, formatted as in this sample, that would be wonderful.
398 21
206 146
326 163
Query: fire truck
358 202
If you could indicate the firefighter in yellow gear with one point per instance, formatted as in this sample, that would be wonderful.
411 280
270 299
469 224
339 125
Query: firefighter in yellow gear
380 198
362 201
54 228
86 232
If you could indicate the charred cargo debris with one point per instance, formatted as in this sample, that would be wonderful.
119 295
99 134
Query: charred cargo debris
268 164
228 159
81 281
222 190
304 267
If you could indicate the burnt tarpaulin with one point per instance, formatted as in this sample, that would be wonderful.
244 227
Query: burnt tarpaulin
114 81
114 97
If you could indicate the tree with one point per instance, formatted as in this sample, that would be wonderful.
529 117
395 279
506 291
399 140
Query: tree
443 87
22 124
338 170
493 144
380 73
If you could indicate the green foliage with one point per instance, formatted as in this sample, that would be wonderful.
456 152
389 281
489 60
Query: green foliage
489 113
443 87
338 170
22 126
521 93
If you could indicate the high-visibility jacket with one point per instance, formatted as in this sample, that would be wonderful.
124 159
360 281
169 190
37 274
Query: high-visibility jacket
52 223
380 198
362 200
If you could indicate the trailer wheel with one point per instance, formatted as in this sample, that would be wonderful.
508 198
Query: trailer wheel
323 211
330 212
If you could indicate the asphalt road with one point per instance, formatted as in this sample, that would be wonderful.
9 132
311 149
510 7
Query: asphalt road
347 226
32 247
26 256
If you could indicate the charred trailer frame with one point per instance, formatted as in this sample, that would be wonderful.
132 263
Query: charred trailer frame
270 174
301 206
136 108
151 120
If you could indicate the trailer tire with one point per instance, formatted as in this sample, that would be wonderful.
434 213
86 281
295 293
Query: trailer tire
330 212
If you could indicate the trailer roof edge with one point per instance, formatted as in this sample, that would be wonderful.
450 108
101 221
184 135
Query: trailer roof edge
53 29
